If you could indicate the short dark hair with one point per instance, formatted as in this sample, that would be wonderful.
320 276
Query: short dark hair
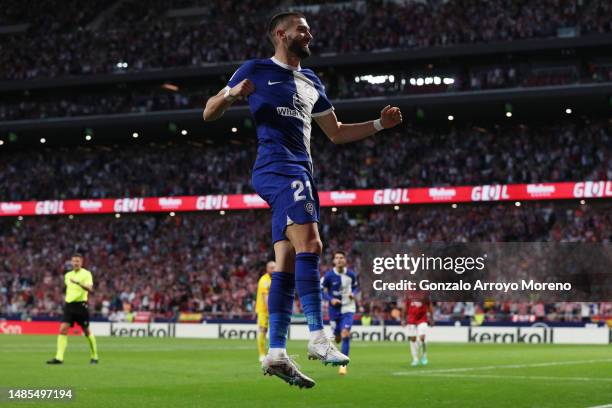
77 255
278 19
339 251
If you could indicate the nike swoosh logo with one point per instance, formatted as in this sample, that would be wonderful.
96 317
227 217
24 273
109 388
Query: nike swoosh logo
274 83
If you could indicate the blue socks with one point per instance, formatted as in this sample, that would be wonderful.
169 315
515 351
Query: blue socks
308 285
280 306
346 341
280 299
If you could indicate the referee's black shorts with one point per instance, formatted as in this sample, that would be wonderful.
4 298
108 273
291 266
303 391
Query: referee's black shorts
76 312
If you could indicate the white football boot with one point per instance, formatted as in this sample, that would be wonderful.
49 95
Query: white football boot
322 348
287 370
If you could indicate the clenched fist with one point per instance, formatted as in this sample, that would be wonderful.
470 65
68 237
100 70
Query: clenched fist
390 116
243 89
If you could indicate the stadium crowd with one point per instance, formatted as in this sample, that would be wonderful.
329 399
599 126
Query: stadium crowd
133 36
168 265
139 99
461 155
103 103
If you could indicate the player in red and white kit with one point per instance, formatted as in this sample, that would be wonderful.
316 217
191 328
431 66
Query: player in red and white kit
418 312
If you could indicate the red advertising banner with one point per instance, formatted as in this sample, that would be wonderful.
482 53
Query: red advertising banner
19 327
387 196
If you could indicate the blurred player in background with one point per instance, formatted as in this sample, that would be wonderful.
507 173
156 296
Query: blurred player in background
418 312
283 98
261 308
79 282
340 287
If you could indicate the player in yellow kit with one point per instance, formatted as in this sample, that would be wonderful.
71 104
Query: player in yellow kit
261 308
79 283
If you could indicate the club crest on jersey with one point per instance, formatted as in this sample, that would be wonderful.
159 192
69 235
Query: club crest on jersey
309 207
302 105
298 103
299 111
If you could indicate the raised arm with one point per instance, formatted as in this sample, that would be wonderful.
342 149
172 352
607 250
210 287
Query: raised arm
340 133
217 105
239 85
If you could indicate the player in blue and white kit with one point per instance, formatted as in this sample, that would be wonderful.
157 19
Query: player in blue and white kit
340 286
283 98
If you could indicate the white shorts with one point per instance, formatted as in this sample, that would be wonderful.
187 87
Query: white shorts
417 329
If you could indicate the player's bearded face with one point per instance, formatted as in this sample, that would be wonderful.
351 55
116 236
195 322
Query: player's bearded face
298 45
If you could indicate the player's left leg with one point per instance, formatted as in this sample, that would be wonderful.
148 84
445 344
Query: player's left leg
91 340
93 346
308 247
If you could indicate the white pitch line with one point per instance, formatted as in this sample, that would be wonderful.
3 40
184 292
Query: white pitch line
602 406
496 367
521 377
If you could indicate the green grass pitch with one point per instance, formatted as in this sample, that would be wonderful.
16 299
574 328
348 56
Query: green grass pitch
169 372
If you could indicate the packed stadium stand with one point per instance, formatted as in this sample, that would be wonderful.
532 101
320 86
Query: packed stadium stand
462 155
163 34
167 264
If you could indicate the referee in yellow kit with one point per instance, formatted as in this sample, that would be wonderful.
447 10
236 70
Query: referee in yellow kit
261 308
79 283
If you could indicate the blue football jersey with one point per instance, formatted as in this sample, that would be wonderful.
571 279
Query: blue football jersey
340 286
283 104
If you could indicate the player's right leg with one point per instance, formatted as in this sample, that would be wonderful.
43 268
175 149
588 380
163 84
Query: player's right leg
308 247
262 331
414 346
62 341
280 306
421 331
346 323
334 324
414 350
